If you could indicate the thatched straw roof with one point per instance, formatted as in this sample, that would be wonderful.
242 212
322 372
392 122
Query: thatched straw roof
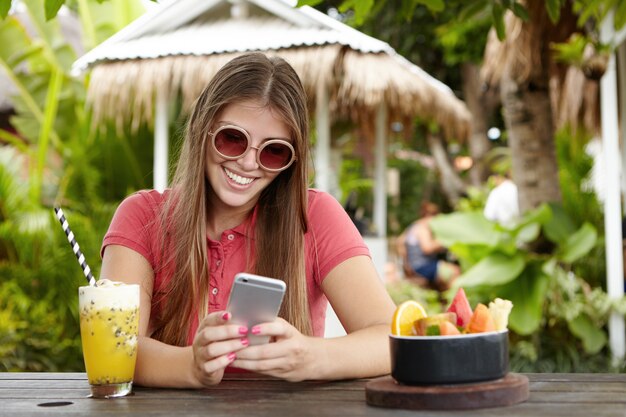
124 90
181 57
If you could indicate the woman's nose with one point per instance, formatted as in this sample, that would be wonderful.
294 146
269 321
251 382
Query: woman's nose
249 161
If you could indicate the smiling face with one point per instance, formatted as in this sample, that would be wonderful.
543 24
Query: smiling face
238 183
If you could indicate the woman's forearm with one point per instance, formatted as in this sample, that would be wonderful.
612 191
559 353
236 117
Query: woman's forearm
162 365
361 354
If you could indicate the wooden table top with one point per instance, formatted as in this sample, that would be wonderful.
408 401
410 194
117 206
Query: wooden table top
34 394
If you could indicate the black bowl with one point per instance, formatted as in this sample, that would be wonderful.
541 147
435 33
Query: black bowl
431 360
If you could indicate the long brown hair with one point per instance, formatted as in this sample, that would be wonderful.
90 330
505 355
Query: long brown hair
281 214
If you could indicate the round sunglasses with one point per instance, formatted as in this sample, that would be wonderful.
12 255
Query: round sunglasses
232 142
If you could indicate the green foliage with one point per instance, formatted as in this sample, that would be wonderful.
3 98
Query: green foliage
586 10
356 191
484 14
531 264
56 157
352 179
36 334
463 40
361 7
571 52
563 300
572 337
308 2
475 198
497 16
553 7
5 6
417 185
103 18
497 258
39 276
52 8
620 15
597 11
50 107
579 200
401 291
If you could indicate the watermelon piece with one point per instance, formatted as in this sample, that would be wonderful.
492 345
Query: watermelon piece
481 320
461 307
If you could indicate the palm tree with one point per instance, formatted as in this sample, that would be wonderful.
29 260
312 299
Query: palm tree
525 93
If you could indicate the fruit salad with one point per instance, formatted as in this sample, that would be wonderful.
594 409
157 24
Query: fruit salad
411 319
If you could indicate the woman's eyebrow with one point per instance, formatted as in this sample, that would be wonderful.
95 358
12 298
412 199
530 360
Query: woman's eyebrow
226 123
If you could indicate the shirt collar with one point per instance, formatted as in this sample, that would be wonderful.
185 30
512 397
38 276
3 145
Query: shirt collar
246 228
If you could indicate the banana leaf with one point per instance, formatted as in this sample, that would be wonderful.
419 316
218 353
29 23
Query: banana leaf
527 293
467 227
593 338
495 269
578 244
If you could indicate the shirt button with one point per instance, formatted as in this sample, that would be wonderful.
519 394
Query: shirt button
218 262
231 237
214 291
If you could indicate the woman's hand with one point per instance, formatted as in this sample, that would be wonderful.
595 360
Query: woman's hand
289 355
215 346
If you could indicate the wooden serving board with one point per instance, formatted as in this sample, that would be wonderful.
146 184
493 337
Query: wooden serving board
386 392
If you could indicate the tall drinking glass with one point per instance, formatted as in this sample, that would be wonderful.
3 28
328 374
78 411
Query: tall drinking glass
109 321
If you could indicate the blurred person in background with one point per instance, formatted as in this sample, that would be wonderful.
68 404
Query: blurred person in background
424 258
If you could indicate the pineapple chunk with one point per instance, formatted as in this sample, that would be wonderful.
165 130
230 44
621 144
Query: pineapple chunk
500 310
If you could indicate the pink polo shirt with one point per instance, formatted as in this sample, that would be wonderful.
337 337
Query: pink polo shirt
331 239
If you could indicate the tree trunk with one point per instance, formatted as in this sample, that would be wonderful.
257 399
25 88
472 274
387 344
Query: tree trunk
452 185
481 104
528 117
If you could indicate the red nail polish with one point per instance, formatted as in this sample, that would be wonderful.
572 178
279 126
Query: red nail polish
243 330
226 316
231 356
256 330
245 342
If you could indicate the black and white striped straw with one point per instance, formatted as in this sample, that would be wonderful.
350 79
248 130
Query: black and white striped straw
70 237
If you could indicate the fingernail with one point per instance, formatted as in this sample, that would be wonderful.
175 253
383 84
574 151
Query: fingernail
226 316
243 330
231 356
245 342
256 330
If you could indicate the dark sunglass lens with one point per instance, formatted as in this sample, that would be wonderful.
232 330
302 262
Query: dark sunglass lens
275 155
231 142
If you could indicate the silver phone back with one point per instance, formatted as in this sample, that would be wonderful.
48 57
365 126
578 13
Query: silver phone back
254 300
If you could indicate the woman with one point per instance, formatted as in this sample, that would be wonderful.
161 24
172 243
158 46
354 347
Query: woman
239 202
421 252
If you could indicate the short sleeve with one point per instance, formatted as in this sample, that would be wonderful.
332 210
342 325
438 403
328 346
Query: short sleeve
135 225
334 236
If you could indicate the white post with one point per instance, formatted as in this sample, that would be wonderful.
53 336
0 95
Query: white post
612 204
333 327
380 172
322 144
621 65
161 139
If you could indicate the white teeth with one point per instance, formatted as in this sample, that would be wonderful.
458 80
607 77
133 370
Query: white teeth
237 178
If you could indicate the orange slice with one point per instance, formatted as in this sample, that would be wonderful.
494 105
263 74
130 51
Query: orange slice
404 317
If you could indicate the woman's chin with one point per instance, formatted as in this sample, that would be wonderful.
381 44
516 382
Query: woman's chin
238 198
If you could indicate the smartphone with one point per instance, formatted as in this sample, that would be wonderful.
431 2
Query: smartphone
255 299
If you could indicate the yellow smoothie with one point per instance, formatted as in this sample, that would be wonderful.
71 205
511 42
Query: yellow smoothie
109 321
